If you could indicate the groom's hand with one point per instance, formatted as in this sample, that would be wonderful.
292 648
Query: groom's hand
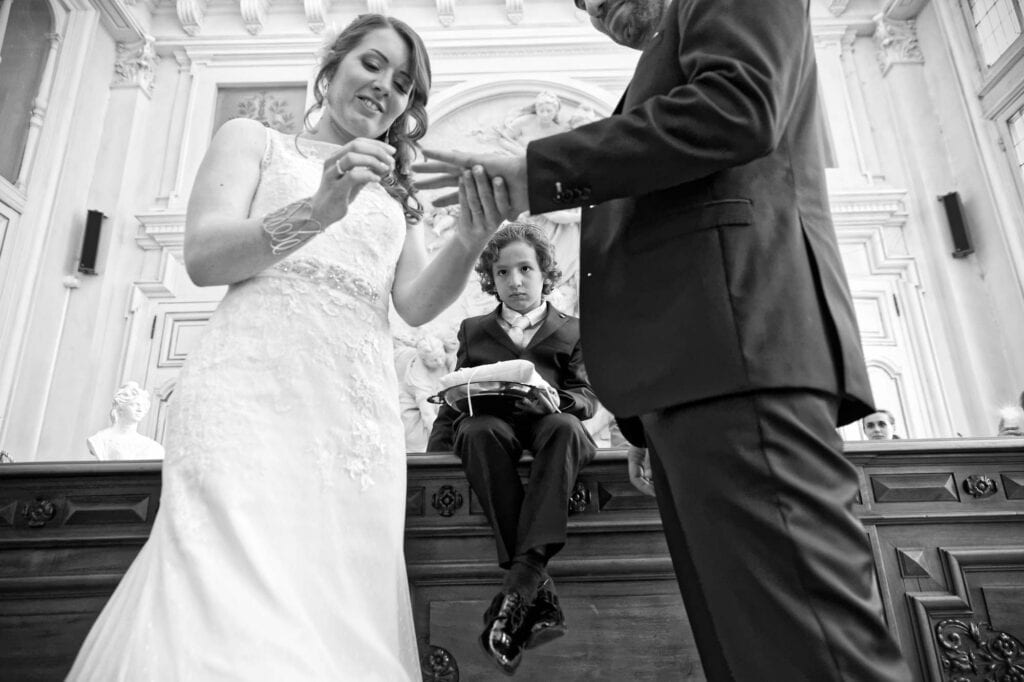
638 461
447 167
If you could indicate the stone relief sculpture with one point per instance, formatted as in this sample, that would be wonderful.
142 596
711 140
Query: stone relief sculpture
539 119
508 131
121 440
548 115
419 377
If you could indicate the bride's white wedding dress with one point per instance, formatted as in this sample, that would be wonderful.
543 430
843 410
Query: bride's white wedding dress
277 550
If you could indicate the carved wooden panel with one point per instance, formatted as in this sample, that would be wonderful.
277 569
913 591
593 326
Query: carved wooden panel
973 630
1013 484
98 509
947 529
925 487
50 630
414 500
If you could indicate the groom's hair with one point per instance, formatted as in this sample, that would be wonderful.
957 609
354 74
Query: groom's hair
518 232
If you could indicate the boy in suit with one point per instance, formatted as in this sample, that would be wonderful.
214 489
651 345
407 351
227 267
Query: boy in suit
518 267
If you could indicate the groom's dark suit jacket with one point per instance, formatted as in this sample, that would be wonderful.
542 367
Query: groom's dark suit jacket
709 264
554 351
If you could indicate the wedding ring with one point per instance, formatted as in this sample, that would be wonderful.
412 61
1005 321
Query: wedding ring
337 166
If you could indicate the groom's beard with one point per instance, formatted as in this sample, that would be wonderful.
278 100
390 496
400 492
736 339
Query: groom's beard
630 22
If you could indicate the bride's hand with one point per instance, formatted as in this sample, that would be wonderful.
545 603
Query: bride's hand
482 205
357 163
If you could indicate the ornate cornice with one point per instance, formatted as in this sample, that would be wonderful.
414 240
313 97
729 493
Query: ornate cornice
316 11
896 42
190 14
514 10
446 12
161 230
876 207
122 19
135 65
901 10
254 14
443 46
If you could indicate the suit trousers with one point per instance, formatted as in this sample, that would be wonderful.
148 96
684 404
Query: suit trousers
775 570
534 517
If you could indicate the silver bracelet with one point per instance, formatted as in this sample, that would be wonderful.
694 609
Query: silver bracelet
290 226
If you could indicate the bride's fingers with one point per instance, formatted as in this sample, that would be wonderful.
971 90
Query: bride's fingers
438 181
361 175
454 158
449 199
363 145
437 167
343 163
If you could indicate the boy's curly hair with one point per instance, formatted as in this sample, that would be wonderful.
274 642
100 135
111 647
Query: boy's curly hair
518 232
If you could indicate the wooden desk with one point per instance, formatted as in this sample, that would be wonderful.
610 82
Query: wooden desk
945 519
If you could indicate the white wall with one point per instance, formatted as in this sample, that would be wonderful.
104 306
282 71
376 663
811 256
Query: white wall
901 138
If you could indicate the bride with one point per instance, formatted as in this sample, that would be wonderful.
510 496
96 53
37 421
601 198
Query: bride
277 552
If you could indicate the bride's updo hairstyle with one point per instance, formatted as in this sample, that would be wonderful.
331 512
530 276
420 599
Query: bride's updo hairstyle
411 124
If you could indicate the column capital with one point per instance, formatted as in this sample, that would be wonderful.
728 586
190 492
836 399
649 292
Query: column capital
135 65
896 42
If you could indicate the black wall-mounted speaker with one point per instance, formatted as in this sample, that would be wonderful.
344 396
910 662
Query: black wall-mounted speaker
957 224
91 242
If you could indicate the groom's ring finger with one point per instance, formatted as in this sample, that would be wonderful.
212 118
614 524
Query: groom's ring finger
337 167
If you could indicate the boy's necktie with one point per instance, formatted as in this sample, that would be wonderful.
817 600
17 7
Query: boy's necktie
515 332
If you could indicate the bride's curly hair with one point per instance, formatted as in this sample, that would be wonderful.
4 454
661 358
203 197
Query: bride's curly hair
411 124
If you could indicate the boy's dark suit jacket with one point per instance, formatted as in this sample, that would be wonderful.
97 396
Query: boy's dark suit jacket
709 264
554 350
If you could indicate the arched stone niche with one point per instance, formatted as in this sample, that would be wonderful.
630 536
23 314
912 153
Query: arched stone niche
469 117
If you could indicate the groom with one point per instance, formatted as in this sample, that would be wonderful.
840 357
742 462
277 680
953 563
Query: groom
716 311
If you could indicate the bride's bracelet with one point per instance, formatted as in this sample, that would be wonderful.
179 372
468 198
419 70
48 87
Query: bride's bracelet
291 226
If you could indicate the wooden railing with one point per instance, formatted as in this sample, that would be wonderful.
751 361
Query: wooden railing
945 519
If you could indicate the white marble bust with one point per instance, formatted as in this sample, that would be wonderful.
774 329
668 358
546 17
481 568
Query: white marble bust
121 440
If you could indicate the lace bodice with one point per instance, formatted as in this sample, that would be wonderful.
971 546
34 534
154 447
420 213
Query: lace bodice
356 254
312 330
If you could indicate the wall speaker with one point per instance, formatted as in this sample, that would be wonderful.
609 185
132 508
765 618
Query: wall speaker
91 242
957 224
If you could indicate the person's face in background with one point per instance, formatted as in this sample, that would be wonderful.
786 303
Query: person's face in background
518 279
628 22
878 426
370 88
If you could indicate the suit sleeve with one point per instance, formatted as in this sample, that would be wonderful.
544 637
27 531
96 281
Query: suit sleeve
738 64
577 397
632 429
442 434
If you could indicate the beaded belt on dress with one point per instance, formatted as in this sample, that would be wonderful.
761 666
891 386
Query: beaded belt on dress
327 274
